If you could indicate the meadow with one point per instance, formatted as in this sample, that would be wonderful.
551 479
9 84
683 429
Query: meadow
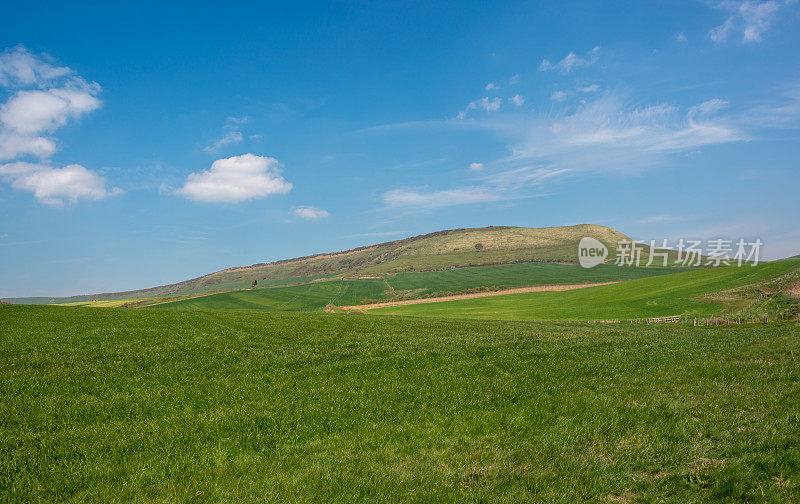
317 295
119 405
676 294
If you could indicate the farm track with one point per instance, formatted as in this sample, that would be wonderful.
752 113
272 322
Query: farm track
520 290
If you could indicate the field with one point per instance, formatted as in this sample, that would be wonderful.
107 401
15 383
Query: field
118 405
315 296
678 294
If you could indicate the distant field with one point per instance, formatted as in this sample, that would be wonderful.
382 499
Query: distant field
676 294
519 275
316 296
114 405
308 297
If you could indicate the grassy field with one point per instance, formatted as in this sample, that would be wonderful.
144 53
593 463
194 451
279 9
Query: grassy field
678 294
126 406
315 296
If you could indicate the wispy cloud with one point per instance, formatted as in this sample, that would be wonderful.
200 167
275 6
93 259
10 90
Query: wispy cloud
485 103
427 200
232 134
571 62
748 19
517 100
310 212
491 87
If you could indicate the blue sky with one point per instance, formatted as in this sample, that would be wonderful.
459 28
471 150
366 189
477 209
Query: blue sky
143 144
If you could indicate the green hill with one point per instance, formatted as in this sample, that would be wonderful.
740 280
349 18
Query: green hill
317 295
430 252
699 292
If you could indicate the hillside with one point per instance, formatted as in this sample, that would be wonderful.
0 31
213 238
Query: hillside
430 252
318 295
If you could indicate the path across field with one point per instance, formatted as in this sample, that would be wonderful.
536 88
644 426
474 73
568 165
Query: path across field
521 290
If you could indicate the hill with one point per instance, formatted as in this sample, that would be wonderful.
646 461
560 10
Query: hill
441 250
695 293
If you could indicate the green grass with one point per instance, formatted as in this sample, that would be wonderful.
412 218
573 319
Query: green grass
317 295
677 294
308 297
119 405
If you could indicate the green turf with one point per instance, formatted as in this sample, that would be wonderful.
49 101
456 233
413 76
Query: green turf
308 297
114 405
665 295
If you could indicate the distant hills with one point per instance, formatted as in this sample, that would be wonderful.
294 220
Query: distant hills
441 250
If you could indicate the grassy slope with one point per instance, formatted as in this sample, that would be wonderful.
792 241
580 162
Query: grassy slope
436 251
316 296
648 297
158 406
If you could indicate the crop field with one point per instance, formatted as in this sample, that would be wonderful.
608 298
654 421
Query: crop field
317 295
118 405
519 275
678 294
307 297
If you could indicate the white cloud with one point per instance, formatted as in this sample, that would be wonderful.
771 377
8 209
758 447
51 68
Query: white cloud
492 87
421 200
485 103
514 79
58 97
476 166
750 18
680 37
591 89
559 96
232 134
18 67
517 100
310 212
229 138
572 61
55 96
52 186
235 179
31 112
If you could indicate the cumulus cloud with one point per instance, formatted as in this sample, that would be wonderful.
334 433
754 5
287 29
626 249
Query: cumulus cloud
485 103
571 61
44 97
590 89
235 179
749 18
517 100
29 115
476 166
310 212
52 185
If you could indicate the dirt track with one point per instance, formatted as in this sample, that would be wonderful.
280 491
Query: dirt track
536 288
